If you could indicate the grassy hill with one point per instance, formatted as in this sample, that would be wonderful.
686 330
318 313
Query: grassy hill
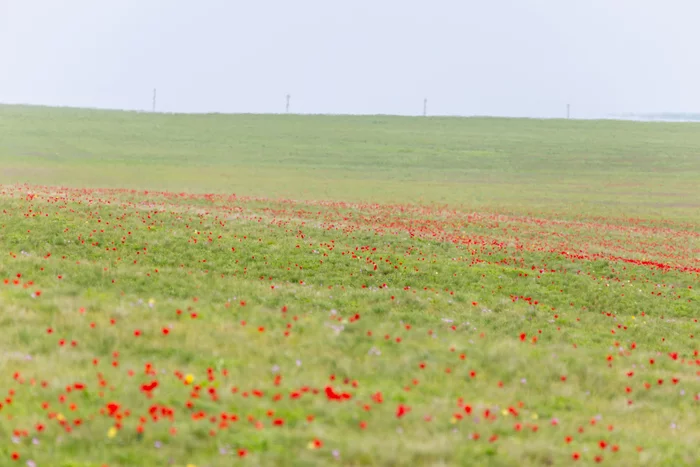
518 165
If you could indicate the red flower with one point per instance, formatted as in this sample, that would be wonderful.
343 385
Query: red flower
113 408
150 386
332 395
402 410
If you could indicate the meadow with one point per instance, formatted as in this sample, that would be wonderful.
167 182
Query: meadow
209 290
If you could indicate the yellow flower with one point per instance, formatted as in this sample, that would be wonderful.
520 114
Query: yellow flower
453 420
112 432
534 416
191 465
188 379
60 417
504 412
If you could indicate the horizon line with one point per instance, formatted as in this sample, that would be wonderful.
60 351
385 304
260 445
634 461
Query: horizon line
627 116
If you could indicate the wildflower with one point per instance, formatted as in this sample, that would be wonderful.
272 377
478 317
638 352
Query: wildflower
112 432
315 444
402 410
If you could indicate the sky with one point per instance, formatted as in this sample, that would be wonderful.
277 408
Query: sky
520 58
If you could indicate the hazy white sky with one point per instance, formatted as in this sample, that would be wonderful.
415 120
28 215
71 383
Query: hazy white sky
468 57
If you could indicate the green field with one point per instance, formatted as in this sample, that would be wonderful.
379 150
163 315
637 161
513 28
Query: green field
330 290
588 167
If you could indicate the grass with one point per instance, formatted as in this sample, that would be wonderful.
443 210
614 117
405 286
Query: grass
511 321
526 166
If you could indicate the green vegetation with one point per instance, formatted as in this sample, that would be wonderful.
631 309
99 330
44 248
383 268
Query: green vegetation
441 292
564 166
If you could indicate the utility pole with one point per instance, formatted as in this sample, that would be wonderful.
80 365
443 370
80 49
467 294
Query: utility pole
425 107
154 99
288 97
568 111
